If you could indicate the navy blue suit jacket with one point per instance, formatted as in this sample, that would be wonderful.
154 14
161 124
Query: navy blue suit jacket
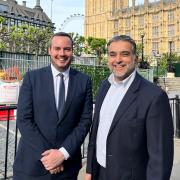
140 139
38 122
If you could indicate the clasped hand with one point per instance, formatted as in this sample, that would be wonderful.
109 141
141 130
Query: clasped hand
52 160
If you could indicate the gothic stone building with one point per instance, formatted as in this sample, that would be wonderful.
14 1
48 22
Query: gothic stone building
157 24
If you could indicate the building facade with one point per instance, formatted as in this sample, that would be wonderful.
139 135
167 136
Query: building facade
155 24
16 14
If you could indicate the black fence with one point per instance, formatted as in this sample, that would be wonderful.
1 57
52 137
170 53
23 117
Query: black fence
8 123
175 109
10 140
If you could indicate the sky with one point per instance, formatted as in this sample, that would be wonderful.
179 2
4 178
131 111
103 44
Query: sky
61 10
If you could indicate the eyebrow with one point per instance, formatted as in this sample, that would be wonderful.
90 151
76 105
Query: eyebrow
121 52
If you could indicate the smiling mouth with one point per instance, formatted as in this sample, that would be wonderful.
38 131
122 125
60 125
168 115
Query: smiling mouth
119 65
63 60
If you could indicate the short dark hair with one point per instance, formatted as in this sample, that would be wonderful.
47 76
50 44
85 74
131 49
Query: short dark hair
123 38
62 34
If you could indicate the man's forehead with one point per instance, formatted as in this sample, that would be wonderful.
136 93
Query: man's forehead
120 47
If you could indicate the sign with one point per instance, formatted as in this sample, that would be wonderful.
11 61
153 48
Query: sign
9 92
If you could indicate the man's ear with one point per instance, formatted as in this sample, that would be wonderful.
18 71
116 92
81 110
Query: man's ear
136 59
49 50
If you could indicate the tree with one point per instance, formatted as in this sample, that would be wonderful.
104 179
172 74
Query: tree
96 46
24 38
38 39
17 38
79 42
4 34
165 60
142 64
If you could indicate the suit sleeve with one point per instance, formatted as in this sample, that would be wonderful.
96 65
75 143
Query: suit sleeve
29 130
77 136
159 139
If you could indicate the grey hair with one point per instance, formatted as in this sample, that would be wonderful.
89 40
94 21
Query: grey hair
124 38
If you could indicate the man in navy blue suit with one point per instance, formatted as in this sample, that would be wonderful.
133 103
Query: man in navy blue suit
50 144
132 132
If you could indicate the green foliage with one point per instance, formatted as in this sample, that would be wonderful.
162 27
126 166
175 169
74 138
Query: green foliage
96 46
165 60
4 34
2 46
79 42
97 74
24 38
163 63
139 50
145 63
39 39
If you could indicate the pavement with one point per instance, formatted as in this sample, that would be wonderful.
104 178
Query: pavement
175 175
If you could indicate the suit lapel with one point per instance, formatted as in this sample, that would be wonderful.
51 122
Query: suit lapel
101 95
48 78
129 97
49 93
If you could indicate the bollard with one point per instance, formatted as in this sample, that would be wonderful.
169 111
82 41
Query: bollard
177 106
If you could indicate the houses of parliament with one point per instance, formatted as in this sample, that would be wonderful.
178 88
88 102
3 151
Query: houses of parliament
155 24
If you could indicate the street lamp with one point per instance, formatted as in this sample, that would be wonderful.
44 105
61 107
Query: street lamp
158 56
142 42
170 64
143 64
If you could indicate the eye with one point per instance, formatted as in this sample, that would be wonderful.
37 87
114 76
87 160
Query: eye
68 49
57 48
112 54
125 53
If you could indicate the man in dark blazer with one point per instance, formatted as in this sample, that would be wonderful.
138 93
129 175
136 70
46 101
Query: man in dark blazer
50 144
132 132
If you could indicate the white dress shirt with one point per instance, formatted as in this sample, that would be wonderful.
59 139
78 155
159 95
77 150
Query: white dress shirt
109 107
56 80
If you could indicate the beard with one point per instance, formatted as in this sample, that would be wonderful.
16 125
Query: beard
123 73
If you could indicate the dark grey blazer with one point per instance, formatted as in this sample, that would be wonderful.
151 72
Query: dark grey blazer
38 122
140 140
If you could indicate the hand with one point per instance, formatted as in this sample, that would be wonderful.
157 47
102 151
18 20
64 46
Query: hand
52 158
57 169
87 176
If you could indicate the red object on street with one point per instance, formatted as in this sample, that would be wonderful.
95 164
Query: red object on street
4 114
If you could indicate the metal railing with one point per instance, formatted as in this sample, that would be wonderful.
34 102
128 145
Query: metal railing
175 109
25 62
8 118
6 115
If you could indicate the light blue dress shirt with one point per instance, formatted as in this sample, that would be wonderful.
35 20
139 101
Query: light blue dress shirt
109 107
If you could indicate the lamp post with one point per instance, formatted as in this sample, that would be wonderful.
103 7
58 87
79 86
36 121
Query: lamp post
142 50
170 65
158 56
143 64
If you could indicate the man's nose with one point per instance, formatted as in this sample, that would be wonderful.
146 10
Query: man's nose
61 52
118 58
